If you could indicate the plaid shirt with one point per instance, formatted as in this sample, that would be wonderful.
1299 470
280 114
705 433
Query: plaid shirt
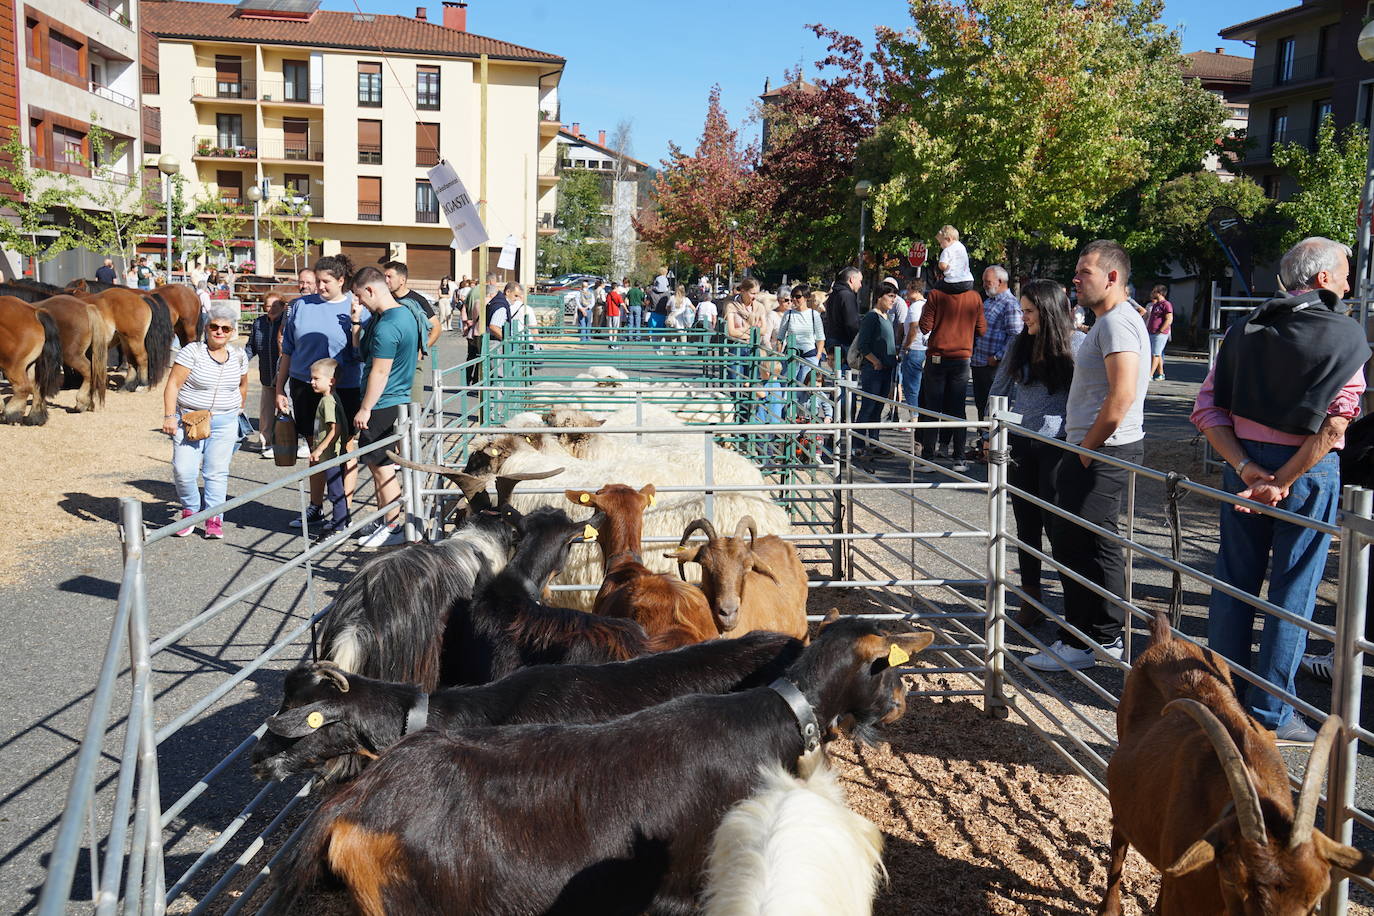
1003 314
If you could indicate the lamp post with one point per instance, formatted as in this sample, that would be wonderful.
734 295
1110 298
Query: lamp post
734 225
168 166
862 189
254 194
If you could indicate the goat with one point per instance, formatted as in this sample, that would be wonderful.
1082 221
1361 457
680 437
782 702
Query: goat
794 848
613 817
361 716
660 604
759 585
1199 788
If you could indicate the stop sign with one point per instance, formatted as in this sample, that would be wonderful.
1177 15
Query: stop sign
917 255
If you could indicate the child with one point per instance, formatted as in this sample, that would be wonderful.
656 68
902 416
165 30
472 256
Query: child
953 263
329 439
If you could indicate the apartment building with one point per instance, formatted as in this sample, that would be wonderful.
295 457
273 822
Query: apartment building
65 64
1306 69
1226 76
625 183
345 112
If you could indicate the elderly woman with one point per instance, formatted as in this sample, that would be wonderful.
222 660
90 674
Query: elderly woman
210 376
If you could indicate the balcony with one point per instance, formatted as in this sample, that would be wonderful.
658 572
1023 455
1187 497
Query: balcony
234 90
426 156
1261 152
69 166
116 13
369 154
291 150
370 210
287 93
549 170
547 223
213 148
426 216
109 95
152 129
1268 79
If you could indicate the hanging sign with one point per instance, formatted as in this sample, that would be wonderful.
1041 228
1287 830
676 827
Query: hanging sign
458 207
508 249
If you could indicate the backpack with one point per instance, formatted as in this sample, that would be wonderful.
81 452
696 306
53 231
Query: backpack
422 322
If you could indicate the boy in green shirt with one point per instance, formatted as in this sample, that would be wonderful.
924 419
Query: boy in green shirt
329 439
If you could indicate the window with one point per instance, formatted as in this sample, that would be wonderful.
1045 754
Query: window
228 130
1366 104
1278 125
427 87
1283 61
297 186
370 142
64 53
33 41
230 186
228 77
297 138
426 144
296 80
370 85
1323 55
68 145
369 198
1321 110
426 203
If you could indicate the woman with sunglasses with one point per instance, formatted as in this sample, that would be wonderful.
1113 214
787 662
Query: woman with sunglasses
209 376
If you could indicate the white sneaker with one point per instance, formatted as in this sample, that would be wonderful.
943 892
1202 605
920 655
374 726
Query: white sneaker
959 467
1060 657
385 536
1319 666
303 451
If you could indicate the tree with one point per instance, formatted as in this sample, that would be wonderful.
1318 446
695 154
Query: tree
1016 119
697 196
116 212
182 219
289 230
222 221
582 224
1330 179
39 195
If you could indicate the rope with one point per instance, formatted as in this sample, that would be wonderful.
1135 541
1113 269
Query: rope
999 456
1173 494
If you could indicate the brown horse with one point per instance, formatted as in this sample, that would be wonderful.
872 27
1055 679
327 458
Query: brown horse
31 357
85 345
180 299
141 322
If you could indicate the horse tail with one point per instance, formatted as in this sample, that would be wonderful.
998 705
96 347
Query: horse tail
157 342
47 369
200 326
100 354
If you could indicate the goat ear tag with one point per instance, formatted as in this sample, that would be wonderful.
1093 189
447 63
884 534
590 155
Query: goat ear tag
897 656
494 452
651 499
585 498
589 533
315 719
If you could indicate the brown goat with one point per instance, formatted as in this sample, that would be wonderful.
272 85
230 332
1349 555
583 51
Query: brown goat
1199 788
754 584
665 607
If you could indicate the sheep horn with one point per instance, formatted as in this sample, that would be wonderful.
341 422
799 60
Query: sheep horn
1233 765
330 671
505 483
1305 815
746 523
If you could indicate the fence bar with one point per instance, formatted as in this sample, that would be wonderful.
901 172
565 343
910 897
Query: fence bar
994 691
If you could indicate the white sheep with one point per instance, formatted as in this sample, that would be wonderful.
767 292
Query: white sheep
794 849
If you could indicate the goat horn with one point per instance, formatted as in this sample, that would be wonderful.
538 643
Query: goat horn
1306 813
696 525
330 671
468 483
746 523
505 483
1233 765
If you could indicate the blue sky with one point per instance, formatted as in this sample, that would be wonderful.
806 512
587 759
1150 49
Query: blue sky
653 62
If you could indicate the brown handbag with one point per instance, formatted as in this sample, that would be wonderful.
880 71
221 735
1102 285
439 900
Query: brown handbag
196 423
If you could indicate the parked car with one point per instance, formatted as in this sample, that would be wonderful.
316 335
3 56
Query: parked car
570 281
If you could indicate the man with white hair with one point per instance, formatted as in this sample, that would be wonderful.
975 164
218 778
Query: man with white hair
1003 314
1286 383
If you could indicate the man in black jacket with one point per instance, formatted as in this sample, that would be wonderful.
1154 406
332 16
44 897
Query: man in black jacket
842 309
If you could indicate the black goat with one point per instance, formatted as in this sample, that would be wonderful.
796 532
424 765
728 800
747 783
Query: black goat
361 716
609 818
507 625
388 622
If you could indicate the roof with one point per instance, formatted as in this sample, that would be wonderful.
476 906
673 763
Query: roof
1218 67
327 29
798 84
1249 29
582 140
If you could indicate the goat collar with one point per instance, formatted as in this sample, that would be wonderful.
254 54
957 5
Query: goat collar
418 715
801 709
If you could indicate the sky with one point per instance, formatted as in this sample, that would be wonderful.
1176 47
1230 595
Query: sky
652 63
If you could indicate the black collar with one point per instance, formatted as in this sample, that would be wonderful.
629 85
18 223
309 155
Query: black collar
801 709
418 716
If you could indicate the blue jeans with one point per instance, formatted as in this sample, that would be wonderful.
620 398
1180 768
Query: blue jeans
635 320
1295 570
584 327
913 365
207 458
877 382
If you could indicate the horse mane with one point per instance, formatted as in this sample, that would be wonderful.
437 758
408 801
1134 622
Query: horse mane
99 286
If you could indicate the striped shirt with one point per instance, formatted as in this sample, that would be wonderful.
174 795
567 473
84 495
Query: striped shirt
211 385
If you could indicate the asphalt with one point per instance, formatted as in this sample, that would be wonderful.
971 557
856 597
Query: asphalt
56 626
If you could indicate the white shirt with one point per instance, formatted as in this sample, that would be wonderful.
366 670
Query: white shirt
515 315
913 318
954 262
707 311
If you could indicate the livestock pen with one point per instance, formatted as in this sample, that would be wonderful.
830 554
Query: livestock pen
896 537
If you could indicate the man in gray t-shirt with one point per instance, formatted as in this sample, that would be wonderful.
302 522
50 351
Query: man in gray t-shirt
1106 414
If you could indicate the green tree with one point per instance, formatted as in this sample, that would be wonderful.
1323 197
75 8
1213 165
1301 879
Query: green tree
579 246
182 219
116 212
41 195
221 220
1329 180
289 230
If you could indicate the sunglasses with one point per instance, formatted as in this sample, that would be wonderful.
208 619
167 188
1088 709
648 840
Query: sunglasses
221 328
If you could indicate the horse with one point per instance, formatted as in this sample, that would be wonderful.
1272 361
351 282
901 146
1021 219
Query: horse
85 342
181 299
31 357
141 323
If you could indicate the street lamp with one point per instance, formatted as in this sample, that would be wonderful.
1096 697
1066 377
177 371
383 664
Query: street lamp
254 194
862 189
734 225
168 166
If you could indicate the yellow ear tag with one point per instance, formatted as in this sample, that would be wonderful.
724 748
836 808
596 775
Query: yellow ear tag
589 533
315 719
585 498
494 452
652 497
897 656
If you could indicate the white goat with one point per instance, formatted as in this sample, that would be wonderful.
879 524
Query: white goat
794 849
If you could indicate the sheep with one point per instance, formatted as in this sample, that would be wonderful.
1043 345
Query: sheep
759 585
360 716
657 601
794 848
1199 788
612 817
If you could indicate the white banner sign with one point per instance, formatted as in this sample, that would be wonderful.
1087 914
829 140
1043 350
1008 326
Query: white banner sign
507 259
458 206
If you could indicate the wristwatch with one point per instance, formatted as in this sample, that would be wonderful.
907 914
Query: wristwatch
1240 468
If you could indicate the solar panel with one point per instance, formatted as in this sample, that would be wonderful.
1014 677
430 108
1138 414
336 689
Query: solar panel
297 7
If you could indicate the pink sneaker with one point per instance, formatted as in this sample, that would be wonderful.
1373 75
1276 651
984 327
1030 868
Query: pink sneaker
185 513
214 527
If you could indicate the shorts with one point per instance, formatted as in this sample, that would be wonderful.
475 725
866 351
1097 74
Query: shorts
304 400
1157 342
380 424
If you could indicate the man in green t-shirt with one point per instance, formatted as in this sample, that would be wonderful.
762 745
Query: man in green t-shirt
475 322
389 348
636 317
